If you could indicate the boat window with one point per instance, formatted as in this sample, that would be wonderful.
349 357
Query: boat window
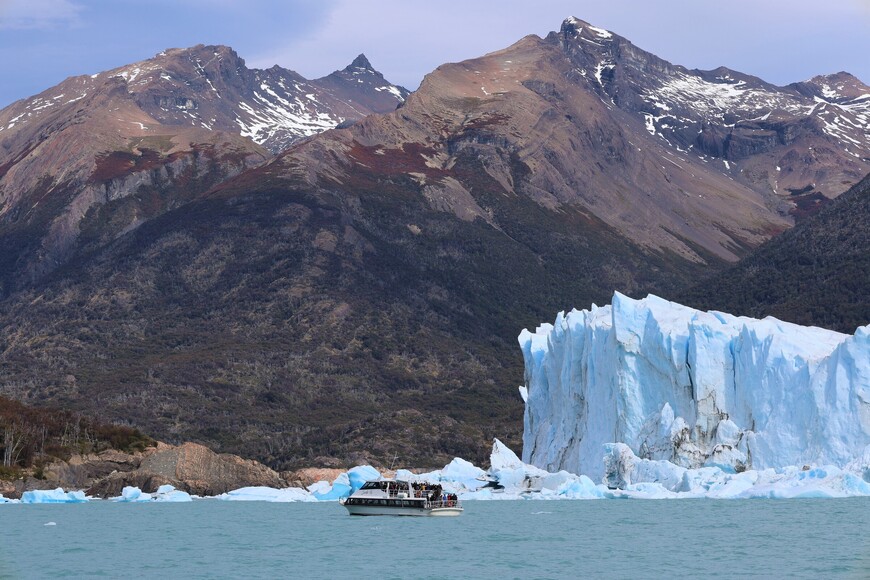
371 485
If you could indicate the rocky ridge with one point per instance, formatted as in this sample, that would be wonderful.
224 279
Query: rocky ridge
107 152
595 122
779 139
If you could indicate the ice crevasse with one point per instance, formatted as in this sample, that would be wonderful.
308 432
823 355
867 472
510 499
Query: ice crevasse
692 388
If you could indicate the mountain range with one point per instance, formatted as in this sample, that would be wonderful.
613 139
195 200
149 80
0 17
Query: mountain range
187 256
174 125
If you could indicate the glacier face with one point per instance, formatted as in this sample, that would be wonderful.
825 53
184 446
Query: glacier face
693 388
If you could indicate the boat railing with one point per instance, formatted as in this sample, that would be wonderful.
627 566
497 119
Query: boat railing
413 494
438 503
394 493
401 493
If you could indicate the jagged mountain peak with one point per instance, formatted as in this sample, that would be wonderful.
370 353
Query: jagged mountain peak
360 62
199 50
837 87
360 68
575 26
728 116
200 57
210 87
381 96
584 93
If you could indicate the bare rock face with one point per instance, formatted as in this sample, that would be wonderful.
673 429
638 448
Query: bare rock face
83 471
192 468
309 475
80 472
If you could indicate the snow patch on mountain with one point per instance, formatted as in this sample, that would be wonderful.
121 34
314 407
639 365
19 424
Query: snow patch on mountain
393 90
269 118
713 100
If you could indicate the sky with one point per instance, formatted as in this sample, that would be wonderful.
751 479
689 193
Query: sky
782 41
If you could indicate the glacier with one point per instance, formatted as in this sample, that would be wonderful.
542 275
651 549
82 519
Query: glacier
695 390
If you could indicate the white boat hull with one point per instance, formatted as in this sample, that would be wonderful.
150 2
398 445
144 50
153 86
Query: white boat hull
374 510
447 511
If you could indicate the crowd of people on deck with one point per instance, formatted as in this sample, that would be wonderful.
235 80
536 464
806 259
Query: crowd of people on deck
434 493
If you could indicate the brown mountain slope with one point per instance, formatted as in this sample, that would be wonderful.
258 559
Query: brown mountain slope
817 273
521 107
359 296
98 155
289 324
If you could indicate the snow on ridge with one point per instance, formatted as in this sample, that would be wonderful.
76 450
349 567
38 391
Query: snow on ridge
845 120
694 388
708 101
715 99
828 92
393 90
600 32
600 67
269 120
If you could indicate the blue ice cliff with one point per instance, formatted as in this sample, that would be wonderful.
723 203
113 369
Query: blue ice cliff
695 389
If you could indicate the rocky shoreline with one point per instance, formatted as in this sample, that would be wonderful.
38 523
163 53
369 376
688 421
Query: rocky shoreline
189 467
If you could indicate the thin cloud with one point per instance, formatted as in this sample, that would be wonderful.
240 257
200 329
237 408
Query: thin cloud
39 14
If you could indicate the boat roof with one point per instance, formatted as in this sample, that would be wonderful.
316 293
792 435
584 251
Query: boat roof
394 480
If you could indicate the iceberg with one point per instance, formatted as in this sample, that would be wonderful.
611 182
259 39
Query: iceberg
164 493
345 484
463 474
695 390
168 493
508 478
626 477
53 496
360 475
132 494
259 493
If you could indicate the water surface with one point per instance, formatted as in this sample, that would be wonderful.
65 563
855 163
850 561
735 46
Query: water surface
497 539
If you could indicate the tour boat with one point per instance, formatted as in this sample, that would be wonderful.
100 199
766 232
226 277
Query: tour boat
390 497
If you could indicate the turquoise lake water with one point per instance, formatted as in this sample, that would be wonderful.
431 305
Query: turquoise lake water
497 539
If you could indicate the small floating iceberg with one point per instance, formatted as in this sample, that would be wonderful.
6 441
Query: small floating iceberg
132 494
164 493
170 494
53 496
290 494
345 484
7 500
